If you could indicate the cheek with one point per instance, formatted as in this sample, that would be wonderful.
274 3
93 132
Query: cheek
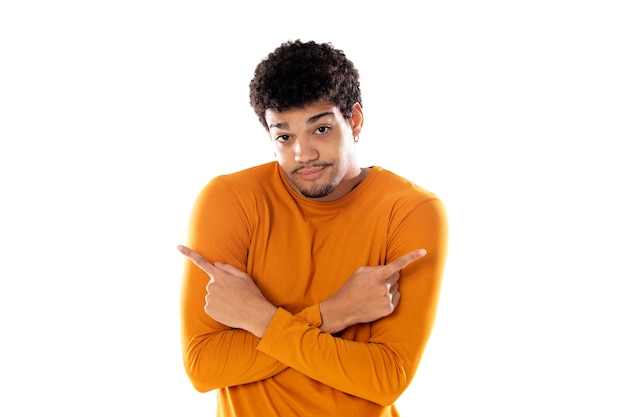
282 156
279 154
347 151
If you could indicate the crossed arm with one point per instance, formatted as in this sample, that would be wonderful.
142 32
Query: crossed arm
233 299
226 350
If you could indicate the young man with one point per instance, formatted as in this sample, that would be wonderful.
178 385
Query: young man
291 299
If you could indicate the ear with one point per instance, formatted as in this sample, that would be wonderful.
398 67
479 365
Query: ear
356 119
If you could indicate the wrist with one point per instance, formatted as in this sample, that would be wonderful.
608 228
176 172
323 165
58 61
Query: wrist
261 320
334 319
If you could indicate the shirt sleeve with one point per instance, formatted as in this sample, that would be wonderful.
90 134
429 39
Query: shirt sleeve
215 355
380 368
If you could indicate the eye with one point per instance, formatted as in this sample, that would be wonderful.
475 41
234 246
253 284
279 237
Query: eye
282 138
322 130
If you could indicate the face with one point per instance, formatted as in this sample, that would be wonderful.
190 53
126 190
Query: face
315 148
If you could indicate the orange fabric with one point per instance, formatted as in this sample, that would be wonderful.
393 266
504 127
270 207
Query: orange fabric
299 252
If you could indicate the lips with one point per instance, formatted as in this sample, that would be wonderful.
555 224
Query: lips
311 174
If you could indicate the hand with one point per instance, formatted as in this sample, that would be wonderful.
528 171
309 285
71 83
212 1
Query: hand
232 298
369 294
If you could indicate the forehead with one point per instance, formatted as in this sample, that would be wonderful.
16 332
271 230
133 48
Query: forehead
301 115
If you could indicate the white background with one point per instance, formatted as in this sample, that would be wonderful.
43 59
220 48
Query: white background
114 114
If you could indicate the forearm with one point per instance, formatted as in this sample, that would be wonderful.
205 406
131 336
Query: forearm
375 361
368 370
334 316
226 358
215 355
229 357
327 316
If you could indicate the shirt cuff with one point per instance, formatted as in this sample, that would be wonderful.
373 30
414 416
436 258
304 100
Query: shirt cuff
285 331
312 315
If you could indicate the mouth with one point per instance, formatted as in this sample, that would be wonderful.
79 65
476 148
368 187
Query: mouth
310 173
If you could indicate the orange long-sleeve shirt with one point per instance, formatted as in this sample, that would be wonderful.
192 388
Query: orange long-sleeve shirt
299 252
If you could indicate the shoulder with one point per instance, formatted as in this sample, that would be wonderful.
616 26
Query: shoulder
242 188
396 187
254 175
251 179
412 208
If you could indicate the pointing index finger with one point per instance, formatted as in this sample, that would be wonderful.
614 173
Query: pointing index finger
405 260
197 259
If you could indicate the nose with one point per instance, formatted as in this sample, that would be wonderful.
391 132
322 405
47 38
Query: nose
305 150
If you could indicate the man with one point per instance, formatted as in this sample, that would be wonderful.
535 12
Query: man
291 302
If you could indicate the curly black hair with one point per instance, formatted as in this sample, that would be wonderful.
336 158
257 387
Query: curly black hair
299 73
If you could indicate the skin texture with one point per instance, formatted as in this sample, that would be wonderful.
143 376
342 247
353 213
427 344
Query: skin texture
314 146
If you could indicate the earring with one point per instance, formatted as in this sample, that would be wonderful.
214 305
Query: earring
356 138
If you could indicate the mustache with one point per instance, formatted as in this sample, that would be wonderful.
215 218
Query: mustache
315 165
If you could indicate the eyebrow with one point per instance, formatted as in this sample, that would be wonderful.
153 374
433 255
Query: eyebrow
311 120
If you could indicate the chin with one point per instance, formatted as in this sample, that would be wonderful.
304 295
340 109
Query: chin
317 192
